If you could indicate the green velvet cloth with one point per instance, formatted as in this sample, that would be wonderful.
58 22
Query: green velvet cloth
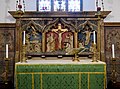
60 76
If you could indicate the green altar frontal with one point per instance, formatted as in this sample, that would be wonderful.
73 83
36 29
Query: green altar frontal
61 74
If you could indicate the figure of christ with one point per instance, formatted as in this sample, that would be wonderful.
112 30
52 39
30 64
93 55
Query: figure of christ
50 42
60 38
87 35
59 31
87 38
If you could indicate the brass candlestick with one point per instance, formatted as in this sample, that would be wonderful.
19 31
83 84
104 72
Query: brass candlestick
94 59
75 52
76 59
5 73
24 53
114 73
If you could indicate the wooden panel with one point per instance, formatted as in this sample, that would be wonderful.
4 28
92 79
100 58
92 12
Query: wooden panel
112 36
7 36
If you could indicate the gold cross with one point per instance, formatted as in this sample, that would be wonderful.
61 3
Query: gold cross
59 31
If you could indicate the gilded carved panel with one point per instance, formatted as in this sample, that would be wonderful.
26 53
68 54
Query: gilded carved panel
86 36
33 37
59 35
59 38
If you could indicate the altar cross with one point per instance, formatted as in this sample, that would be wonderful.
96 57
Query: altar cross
59 31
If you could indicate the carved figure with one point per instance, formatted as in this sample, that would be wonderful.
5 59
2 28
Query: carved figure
50 43
27 41
87 32
67 47
70 39
68 42
34 33
87 37
80 45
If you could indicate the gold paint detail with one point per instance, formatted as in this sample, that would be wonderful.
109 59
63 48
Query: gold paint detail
94 59
43 42
75 39
60 73
79 76
41 80
16 80
32 81
88 81
105 80
79 80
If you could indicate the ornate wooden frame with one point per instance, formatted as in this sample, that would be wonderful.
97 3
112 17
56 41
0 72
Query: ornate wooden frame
73 19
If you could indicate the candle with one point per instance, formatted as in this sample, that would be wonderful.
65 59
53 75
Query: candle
24 37
113 51
6 50
94 37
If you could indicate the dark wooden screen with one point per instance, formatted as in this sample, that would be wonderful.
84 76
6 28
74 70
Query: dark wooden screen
7 36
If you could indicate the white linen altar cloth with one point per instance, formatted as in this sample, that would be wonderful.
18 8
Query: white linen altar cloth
60 61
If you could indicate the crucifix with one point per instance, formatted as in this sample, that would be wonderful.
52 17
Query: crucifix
59 31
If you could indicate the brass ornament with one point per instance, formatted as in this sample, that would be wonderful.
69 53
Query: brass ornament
94 59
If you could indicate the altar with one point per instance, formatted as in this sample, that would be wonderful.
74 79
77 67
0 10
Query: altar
60 74
52 37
